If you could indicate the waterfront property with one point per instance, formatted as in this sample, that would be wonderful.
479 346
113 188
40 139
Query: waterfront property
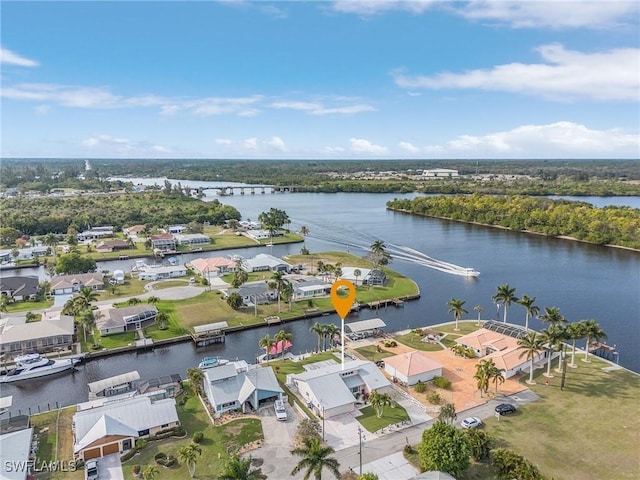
499 342
168 386
330 390
214 266
104 427
65 284
113 245
162 273
240 386
17 449
120 320
412 367
255 293
163 242
210 333
305 287
53 333
191 239
264 262
367 276
96 232
18 289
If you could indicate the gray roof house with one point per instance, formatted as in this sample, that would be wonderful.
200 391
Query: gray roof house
19 288
119 320
265 262
331 390
113 426
237 385
253 293
53 332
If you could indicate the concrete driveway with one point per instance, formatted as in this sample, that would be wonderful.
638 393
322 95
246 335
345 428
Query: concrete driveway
110 468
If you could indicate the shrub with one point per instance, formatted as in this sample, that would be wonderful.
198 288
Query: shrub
136 469
141 443
170 461
197 437
408 449
442 382
420 387
160 458
434 398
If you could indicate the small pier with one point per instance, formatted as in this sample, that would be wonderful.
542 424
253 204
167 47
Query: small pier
396 302
209 334
272 320
605 351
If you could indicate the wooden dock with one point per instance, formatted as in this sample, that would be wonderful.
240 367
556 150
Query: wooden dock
209 334
272 320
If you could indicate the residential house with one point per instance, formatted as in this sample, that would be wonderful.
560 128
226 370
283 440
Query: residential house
264 262
17 459
29 253
95 233
253 293
332 390
162 273
192 239
64 284
305 287
163 242
5 256
176 229
239 386
366 277
259 234
214 266
104 427
112 246
52 333
412 367
17 289
499 342
133 230
119 320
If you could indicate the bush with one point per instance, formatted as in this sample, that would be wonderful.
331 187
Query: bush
434 398
136 469
197 437
408 449
141 443
442 382
170 461
160 457
420 387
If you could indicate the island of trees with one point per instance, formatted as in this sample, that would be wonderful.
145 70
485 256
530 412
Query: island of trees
619 226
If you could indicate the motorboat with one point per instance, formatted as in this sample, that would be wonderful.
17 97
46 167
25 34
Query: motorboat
34 365
210 362
470 272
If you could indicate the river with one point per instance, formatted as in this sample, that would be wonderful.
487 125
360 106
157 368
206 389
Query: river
583 281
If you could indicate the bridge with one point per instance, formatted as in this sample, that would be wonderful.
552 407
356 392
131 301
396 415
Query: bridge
252 189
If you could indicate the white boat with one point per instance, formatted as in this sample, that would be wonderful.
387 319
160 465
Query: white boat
470 272
209 362
34 365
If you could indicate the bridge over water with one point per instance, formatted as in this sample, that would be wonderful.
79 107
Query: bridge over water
223 190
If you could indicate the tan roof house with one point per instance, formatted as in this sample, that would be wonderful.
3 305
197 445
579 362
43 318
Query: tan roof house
63 284
212 266
412 367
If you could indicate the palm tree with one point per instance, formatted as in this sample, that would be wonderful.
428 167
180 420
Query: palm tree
550 337
483 368
575 331
378 254
162 318
150 472
315 458
495 375
196 378
189 455
238 468
531 309
447 413
356 273
378 401
592 332
88 322
331 330
304 231
552 316
50 240
239 277
506 296
283 337
153 300
287 293
86 296
479 309
457 308
319 330
530 345
134 301
276 283
267 343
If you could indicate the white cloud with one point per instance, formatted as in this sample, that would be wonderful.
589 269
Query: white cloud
409 147
108 145
560 139
566 74
251 143
374 7
10 58
277 143
361 145
554 14
314 108
223 141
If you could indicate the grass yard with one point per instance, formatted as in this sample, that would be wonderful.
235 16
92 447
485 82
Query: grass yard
390 415
218 443
28 306
131 288
372 354
415 341
170 284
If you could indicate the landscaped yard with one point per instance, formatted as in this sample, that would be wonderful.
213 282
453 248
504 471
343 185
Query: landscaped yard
218 443
371 353
390 415
131 288
28 306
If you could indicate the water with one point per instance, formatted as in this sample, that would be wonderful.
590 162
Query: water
584 281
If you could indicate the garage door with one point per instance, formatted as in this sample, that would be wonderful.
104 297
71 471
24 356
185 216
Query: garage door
111 448
91 453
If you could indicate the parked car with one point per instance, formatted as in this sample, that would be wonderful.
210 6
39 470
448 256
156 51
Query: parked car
91 470
281 411
471 422
505 409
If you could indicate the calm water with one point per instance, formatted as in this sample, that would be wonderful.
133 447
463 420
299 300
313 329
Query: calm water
584 281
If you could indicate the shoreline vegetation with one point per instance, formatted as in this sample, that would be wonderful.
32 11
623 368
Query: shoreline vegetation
579 221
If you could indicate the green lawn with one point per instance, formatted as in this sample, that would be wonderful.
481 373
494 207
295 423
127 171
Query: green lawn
131 288
170 284
371 353
28 306
218 443
390 415
415 341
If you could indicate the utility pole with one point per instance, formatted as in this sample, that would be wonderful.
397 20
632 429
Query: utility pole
360 438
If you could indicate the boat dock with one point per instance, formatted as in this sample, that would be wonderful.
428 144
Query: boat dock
605 351
209 334
396 302
272 320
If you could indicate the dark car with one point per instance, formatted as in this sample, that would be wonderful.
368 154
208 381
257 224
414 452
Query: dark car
505 409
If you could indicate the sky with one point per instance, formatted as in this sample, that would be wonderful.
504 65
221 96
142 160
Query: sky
358 79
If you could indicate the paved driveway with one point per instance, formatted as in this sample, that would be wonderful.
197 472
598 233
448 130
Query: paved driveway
110 467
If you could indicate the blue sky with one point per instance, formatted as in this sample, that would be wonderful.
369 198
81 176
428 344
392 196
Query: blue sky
356 79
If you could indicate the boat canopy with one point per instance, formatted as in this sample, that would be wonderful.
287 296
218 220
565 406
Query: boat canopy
365 325
210 327
101 385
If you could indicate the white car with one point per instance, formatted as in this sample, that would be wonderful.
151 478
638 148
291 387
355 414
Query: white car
471 422
91 470
281 411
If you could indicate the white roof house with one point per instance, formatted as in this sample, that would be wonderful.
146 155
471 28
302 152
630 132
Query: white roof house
15 447
236 385
52 332
263 262
192 239
331 390
160 273
440 172
114 426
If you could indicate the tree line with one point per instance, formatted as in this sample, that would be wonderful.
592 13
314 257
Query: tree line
610 225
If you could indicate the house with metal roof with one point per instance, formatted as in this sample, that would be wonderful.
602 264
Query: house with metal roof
330 390
162 273
263 262
239 386
113 427
192 239
16 451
